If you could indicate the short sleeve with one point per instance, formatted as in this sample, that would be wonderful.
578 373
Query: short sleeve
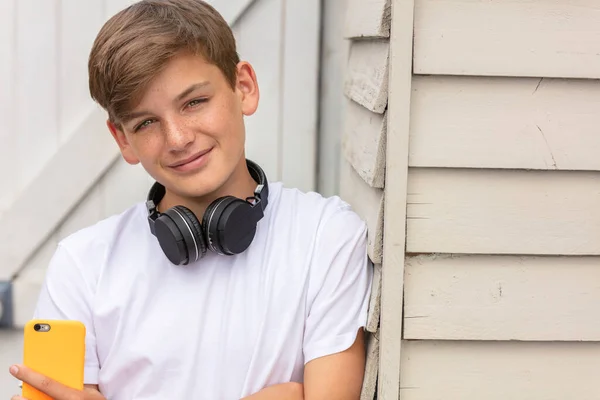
340 285
66 295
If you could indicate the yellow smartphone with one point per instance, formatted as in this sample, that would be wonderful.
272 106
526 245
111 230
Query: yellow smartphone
56 349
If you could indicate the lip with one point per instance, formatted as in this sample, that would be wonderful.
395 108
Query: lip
193 162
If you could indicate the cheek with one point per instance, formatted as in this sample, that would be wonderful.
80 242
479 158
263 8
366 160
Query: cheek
147 147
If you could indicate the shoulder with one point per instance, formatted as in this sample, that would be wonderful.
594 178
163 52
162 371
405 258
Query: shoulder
327 217
92 244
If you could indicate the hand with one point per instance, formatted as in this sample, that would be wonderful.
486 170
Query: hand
50 387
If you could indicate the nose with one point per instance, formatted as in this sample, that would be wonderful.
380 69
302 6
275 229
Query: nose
177 134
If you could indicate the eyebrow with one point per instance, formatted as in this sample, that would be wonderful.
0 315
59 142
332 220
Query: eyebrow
130 116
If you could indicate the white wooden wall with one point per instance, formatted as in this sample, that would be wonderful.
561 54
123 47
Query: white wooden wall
62 170
493 126
362 164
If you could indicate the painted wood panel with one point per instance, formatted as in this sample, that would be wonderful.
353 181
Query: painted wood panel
375 301
395 202
363 142
300 92
509 38
80 21
49 197
433 370
36 89
367 76
367 202
334 56
29 281
502 298
8 156
482 122
503 212
368 19
259 30
122 186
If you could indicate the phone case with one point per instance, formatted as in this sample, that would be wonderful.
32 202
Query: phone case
58 354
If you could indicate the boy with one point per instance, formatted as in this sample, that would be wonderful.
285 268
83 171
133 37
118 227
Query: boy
222 285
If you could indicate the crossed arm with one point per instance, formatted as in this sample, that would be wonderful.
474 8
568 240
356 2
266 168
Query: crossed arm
334 377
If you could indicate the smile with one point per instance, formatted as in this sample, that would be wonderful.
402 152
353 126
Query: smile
192 163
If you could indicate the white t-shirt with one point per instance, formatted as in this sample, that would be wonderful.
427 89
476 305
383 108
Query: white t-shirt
226 326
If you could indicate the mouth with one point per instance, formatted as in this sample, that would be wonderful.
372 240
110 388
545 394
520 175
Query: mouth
193 162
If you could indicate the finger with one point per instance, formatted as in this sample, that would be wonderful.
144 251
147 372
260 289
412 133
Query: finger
18 398
42 383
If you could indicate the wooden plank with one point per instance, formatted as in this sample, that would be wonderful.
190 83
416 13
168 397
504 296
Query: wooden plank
28 283
363 142
500 370
122 186
259 39
394 236
367 77
375 301
79 23
368 19
508 38
502 298
366 202
334 58
482 122
300 91
7 105
503 212
371 368
36 89
43 204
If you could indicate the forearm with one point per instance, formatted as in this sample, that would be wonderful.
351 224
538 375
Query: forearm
284 391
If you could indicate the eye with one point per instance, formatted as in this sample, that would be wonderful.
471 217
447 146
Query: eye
144 124
196 102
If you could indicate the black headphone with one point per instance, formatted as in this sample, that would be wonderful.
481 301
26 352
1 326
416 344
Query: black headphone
228 225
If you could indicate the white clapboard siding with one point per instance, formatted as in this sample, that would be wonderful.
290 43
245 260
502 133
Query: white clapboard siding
8 156
510 38
363 142
375 301
368 19
498 122
503 212
367 76
502 298
367 202
450 370
45 202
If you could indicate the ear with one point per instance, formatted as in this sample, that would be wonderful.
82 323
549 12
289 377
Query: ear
247 88
123 143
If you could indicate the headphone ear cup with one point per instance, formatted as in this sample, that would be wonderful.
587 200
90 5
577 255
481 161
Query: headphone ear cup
190 245
227 225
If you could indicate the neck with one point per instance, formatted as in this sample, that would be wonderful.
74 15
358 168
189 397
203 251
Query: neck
240 184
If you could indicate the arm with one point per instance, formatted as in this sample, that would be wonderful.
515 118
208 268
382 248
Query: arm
337 376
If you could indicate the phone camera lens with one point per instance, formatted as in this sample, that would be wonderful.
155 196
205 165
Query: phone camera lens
37 327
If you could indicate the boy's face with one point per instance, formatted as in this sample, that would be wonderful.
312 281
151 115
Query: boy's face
188 129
